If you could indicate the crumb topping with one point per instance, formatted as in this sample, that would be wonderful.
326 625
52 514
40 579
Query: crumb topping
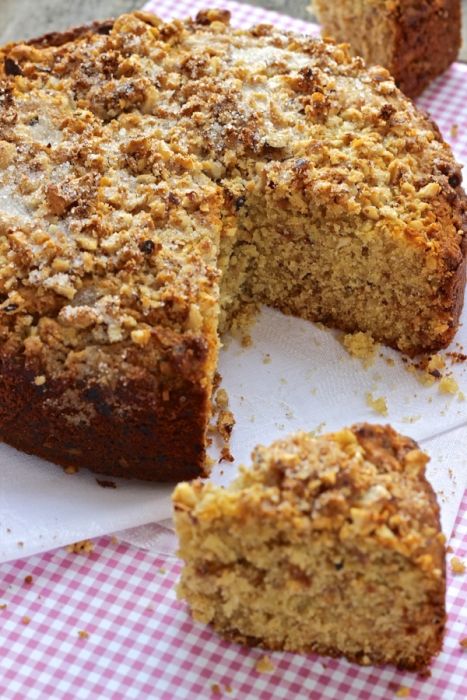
126 162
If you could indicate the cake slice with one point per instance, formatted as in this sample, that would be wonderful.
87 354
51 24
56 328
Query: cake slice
329 545
416 41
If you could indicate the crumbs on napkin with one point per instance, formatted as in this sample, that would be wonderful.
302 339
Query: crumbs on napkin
379 404
403 692
70 470
106 483
28 580
448 385
25 620
362 346
83 634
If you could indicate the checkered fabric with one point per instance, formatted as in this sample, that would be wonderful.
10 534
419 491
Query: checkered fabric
108 625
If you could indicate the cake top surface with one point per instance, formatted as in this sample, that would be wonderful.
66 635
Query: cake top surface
122 147
363 484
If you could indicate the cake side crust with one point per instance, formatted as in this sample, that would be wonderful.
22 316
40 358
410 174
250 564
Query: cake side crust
428 39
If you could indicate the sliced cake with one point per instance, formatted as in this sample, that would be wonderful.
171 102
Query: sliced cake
325 544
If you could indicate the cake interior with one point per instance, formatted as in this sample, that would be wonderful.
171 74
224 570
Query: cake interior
367 25
340 271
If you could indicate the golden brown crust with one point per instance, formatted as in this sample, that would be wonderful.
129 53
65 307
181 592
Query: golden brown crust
419 664
70 35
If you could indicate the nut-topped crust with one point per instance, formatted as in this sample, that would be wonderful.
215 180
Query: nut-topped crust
139 162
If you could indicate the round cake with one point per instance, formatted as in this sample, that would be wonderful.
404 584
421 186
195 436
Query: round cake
158 181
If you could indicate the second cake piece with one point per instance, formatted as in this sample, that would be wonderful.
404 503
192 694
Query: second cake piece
416 41
328 545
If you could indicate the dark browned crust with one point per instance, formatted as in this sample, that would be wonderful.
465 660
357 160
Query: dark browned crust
428 39
69 35
156 439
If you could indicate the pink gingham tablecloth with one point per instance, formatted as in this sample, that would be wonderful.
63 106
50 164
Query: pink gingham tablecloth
137 640
108 625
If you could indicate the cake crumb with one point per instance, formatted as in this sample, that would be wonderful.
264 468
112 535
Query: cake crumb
247 341
267 359
39 380
106 483
3 606
436 364
83 634
362 346
226 455
457 357
403 692
377 404
454 130
25 620
216 689
28 580
457 566
448 385
224 423
410 419
70 470
83 547
463 643
264 665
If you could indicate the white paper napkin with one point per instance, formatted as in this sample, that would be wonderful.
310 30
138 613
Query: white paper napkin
293 376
